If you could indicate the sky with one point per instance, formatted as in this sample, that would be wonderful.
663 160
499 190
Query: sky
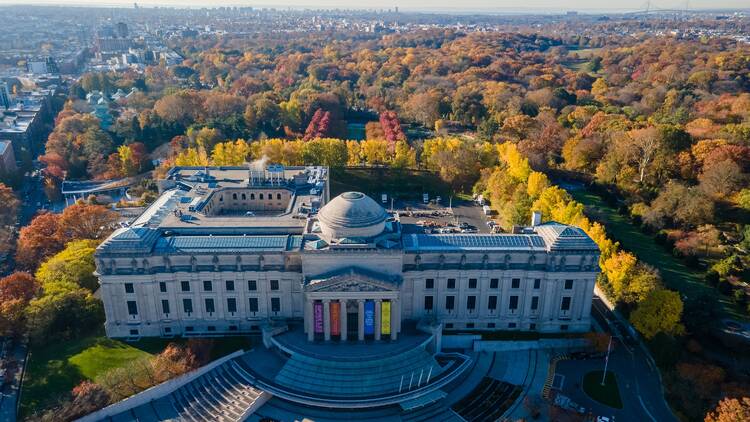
423 5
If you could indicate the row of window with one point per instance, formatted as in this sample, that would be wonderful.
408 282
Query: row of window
492 325
471 303
209 306
208 286
252 196
515 283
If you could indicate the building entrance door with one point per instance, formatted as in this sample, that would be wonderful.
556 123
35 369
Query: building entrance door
352 323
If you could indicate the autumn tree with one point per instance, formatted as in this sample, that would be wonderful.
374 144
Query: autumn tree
730 410
38 240
10 204
74 264
16 290
84 221
660 311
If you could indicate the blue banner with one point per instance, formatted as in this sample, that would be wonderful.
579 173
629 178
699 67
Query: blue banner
369 317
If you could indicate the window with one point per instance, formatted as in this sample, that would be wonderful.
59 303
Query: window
129 288
450 302
429 283
513 304
565 306
210 305
211 328
515 283
564 327
448 325
252 196
162 287
451 283
471 302
275 304
253 304
490 325
568 284
537 283
244 197
534 303
469 325
260 196
511 325
472 283
189 329
133 332
278 196
185 286
132 308
231 305
494 283
274 284
532 326
428 303
232 328
252 285
187 306
230 285
234 196
165 306
492 303
207 286
167 330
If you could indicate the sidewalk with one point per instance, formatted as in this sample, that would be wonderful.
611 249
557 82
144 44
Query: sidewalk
9 394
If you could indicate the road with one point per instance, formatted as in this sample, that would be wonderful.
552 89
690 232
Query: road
637 376
9 392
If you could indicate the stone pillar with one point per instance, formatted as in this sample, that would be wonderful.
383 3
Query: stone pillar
395 318
378 315
343 315
327 319
361 319
309 320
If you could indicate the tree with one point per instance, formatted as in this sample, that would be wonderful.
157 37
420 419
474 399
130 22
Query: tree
10 204
16 290
721 179
730 410
63 312
84 221
74 264
660 311
38 240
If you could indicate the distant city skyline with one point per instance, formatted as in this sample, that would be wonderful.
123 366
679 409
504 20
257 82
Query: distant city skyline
488 6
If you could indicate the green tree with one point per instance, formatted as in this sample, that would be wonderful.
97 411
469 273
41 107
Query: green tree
74 264
660 312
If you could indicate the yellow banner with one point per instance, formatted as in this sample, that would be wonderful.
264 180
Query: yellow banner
385 318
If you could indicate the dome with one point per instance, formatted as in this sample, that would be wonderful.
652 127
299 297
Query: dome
352 214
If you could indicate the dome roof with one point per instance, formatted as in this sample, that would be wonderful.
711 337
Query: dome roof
352 214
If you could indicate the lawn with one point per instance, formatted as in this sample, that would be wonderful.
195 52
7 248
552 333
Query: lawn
607 394
406 184
674 272
55 369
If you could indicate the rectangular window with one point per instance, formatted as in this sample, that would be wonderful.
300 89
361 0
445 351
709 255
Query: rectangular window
534 303
274 284
450 302
513 304
564 327
451 283
165 306
494 283
187 306
511 325
133 332
490 325
230 285
429 283
515 283
537 283
568 284
492 303
428 303
471 302
232 328
132 308
472 283
211 328
532 326
185 286
253 304
189 329
448 325
129 288
275 304
231 304
210 305
469 325
252 285
565 306
207 286
162 287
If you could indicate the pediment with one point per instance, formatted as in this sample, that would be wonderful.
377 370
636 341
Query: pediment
352 280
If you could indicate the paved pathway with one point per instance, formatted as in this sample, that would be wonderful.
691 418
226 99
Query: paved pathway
9 393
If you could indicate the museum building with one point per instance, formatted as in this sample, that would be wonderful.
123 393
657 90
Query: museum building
230 250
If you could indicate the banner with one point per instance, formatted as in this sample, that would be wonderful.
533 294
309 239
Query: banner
385 318
369 317
318 317
335 318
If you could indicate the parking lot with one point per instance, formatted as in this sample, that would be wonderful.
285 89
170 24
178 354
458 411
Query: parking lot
446 216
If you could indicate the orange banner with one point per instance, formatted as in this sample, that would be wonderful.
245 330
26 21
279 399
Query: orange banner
335 318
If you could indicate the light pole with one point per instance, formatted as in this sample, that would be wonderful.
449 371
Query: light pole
606 360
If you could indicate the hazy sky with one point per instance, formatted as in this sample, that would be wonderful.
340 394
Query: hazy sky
497 5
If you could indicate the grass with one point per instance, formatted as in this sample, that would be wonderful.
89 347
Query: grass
607 394
375 181
674 272
54 370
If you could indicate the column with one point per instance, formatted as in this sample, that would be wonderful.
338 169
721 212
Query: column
309 320
378 315
395 319
327 319
343 315
361 319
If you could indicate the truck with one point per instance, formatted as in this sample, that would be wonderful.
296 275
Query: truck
426 198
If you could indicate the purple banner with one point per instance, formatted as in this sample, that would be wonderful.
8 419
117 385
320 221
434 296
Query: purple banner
369 317
318 317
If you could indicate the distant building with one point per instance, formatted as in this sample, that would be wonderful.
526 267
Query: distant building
7 158
121 30
42 66
4 95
